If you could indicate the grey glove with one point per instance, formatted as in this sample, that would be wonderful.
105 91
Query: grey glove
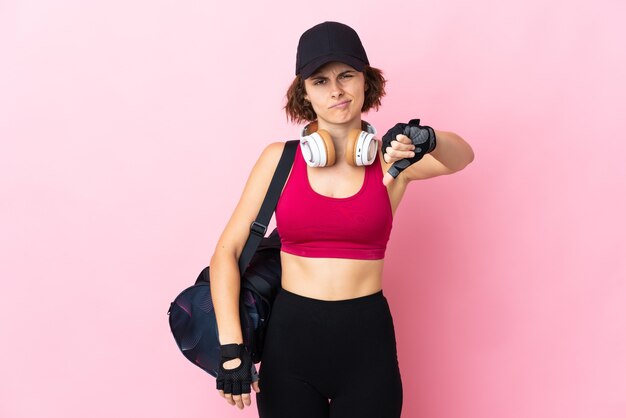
423 137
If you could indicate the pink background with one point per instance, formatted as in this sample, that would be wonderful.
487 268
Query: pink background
128 130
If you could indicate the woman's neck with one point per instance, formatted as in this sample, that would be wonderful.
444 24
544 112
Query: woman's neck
339 132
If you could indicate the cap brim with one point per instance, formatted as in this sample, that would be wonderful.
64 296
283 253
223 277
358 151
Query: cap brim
311 67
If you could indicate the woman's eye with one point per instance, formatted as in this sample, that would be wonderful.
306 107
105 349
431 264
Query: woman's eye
346 76
318 82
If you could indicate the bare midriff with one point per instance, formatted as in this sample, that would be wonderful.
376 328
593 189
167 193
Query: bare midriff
330 278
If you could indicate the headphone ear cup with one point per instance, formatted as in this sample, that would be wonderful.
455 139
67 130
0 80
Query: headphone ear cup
329 148
352 147
318 149
361 148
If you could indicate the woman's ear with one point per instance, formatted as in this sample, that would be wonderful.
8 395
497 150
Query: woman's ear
305 95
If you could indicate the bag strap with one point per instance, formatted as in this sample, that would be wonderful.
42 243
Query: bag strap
259 226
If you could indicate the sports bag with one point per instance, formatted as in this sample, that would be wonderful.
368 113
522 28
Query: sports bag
192 316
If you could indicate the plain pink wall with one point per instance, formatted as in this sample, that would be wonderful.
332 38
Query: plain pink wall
129 128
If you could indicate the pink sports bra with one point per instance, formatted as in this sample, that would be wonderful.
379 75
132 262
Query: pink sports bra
314 225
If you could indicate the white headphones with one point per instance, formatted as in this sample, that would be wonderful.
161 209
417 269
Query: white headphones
318 149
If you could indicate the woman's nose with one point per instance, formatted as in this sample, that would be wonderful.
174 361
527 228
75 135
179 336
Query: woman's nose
335 89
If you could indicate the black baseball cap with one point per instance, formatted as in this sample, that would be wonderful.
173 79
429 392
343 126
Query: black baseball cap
326 42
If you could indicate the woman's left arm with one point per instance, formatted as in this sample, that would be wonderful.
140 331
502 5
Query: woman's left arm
451 154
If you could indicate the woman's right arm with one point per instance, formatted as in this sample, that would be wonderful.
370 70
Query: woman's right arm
225 277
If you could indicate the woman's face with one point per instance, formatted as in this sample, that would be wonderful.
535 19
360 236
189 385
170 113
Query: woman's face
336 92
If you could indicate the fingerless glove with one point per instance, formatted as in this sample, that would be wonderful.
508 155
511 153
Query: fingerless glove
423 137
237 380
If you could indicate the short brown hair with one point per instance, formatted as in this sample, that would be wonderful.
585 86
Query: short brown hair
299 110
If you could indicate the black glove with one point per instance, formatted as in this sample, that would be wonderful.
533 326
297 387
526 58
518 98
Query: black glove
237 380
423 137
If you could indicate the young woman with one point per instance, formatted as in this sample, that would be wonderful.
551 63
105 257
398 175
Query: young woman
330 348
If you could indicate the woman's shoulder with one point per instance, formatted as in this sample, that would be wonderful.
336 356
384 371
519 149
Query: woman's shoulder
271 154
274 148
268 160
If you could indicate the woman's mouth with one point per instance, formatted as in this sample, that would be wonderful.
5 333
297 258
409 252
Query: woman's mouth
341 105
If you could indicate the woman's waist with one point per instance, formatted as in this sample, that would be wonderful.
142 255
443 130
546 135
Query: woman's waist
330 278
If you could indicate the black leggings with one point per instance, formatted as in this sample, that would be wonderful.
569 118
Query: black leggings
333 359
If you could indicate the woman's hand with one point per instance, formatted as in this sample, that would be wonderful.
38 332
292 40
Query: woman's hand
422 139
244 398
235 373
402 147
